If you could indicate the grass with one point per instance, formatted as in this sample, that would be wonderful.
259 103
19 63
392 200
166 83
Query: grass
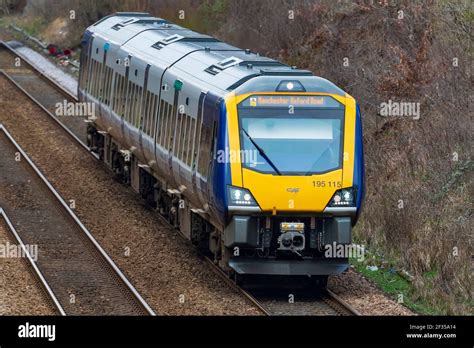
389 281
31 25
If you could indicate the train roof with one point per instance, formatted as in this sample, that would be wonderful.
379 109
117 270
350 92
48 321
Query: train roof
206 58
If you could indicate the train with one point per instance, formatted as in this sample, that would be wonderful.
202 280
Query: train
259 164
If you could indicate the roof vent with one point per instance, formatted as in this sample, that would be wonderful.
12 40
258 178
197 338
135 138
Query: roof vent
166 41
153 21
222 65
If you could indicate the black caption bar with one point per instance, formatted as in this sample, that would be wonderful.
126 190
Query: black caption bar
135 331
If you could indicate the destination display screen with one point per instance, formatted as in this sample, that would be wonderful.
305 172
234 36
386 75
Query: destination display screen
296 101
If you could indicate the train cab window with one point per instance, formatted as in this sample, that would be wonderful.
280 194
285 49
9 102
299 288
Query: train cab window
310 141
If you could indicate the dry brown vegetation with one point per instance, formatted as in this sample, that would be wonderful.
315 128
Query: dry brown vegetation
421 55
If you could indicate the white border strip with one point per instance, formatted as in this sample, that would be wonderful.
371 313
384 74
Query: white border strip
40 276
83 228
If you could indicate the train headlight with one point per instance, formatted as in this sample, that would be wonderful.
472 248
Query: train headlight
343 198
241 196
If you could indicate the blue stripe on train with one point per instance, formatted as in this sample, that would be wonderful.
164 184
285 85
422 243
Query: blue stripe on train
359 174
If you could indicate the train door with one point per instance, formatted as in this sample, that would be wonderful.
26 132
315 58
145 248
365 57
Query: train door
209 127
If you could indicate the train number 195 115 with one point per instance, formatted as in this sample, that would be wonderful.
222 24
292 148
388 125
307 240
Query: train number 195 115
322 183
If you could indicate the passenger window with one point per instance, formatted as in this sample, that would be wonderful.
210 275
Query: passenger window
160 122
191 136
204 150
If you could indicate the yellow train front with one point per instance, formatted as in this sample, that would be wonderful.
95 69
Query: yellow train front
296 176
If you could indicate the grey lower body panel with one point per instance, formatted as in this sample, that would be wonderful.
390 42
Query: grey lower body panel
289 267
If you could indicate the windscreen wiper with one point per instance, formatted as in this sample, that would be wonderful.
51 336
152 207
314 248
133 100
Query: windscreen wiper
261 152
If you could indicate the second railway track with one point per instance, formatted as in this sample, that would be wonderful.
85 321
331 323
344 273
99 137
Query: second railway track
270 303
84 280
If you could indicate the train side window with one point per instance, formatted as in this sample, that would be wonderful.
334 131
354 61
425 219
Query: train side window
191 135
109 93
133 113
136 115
106 84
159 121
168 125
96 78
166 134
161 134
156 118
122 96
128 93
164 114
128 101
106 88
204 150
100 81
163 123
136 102
118 100
183 137
146 113
84 66
91 80
153 116
139 107
186 139
171 117
115 91
178 130
129 98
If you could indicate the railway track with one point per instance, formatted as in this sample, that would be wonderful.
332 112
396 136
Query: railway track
71 264
321 302
303 301
31 264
